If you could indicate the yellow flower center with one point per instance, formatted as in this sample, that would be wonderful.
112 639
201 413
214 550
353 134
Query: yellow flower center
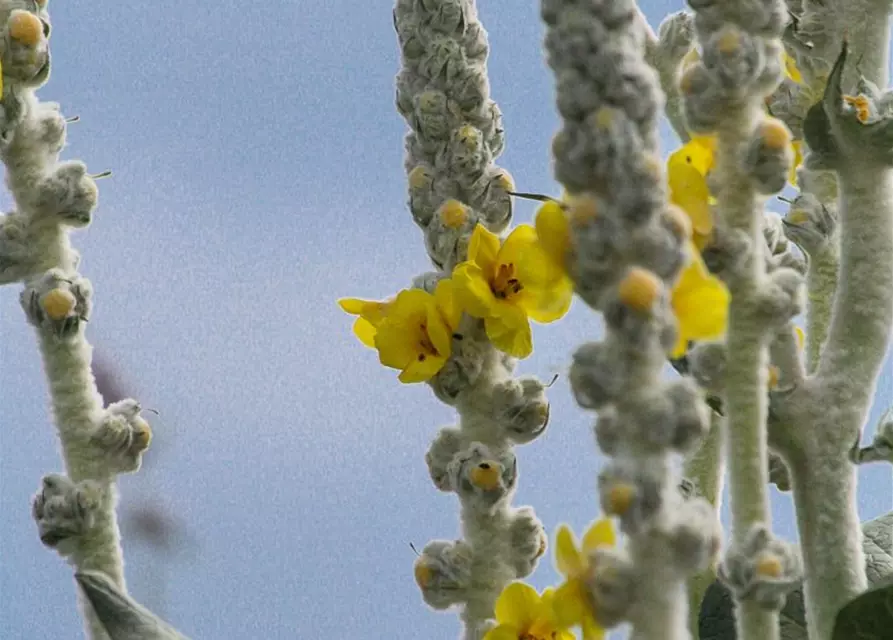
860 104
26 28
58 303
419 177
486 475
728 42
423 574
639 289
426 347
768 565
504 284
775 134
453 214
620 498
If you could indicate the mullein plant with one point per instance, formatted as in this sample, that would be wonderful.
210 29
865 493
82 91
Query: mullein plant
462 328
685 264
74 511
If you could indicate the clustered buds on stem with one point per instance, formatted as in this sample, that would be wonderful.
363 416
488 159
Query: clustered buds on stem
74 512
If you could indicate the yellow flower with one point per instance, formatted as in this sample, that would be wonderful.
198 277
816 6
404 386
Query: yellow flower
790 68
412 332
797 147
370 312
687 170
700 302
571 605
523 614
507 284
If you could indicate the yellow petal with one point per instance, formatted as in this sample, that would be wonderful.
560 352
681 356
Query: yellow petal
568 560
353 306
510 337
372 310
397 344
483 247
537 269
410 302
551 303
702 304
680 347
553 232
600 534
422 370
797 147
693 273
516 245
365 331
438 332
517 604
790 68
687 170
688 190
569 605
503 632
801 336
472 290
591 629
445 296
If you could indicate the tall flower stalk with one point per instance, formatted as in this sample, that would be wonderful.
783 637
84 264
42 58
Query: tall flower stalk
625 246
74 511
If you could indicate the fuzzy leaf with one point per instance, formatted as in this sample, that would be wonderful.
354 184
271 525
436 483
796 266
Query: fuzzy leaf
869 616
717 618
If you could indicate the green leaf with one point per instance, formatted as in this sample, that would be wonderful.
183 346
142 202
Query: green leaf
868 616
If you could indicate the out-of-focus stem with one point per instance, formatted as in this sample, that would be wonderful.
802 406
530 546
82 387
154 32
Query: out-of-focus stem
705 468
821 281
746 374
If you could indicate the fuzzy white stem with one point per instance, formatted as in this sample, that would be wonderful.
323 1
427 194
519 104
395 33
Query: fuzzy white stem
845 381
662 593
824 485
867 26
746 375
863 307
77 407
707 469
666 71
821 282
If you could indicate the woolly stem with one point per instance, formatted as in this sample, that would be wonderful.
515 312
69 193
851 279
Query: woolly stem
824 486
821 282
664 612
867 25
666 71
77 407
863 307
706 468
746 374
836 401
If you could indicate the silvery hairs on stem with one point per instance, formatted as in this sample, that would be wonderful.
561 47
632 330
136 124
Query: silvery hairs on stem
74 512
724 92
627 247
456 134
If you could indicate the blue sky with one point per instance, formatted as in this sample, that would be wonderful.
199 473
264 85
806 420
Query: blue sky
257 161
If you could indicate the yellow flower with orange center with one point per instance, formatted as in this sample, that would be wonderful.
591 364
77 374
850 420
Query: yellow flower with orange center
509 283
572 605
523 614
413 332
